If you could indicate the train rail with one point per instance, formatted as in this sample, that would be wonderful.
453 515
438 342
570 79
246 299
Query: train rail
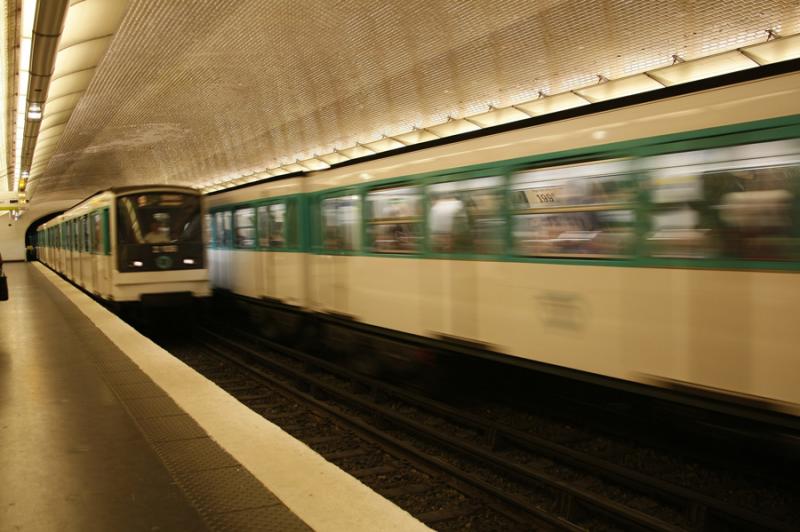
465 468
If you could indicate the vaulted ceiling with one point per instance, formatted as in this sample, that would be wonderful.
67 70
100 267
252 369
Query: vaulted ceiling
190 91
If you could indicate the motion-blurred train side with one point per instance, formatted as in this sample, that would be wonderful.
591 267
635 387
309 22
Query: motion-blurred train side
655 243
139 244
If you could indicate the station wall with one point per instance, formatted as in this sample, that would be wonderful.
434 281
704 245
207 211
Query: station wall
12 232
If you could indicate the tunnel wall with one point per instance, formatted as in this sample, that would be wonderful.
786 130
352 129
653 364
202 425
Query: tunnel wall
12 233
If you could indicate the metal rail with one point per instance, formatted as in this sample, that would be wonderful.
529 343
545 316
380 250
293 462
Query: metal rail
701 511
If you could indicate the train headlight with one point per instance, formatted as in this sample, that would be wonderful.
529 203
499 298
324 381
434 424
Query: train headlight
188 261
138 263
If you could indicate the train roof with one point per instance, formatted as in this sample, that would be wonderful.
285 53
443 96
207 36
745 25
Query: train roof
134 188
117 191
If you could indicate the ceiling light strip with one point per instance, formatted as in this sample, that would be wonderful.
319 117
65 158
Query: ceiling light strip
89 28
45 33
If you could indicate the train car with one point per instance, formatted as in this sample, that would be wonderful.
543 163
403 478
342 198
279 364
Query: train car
656 243
138 244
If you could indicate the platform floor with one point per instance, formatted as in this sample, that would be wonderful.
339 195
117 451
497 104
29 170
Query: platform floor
100 429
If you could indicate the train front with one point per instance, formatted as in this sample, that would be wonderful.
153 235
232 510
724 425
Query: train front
159 255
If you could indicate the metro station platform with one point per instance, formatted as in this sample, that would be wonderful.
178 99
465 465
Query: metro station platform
100 429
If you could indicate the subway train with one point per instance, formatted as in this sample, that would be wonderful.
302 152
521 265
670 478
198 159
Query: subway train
131 245
652 243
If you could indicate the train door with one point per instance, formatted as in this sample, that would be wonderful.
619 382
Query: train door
104 254
86 257
465 228
76 249
245 257
68 250
81 247
62 239
221 254
97 248
340 218
265 277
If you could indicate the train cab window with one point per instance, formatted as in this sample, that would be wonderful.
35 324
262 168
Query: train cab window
158 218
582 210
466 216
394 220
340 222
735 202
245 220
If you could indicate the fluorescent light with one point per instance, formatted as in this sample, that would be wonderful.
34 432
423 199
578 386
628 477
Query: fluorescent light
453 127
706 67
618 88
35 111
776 50
552 104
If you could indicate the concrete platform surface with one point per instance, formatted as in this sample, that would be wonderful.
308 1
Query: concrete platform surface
101 429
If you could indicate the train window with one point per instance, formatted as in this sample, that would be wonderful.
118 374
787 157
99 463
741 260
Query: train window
574 211
207 241
340 222
97 232
75 230
466 216
292 230
86 237
158 218
106 231
277 225
245 227
222 228
219 230
227 229
727 202
263 226
394 221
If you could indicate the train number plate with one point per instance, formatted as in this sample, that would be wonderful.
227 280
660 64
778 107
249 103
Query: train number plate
165 249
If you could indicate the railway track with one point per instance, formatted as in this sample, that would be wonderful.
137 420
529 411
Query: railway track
449 467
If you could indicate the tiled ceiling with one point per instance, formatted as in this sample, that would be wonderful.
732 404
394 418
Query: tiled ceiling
191 90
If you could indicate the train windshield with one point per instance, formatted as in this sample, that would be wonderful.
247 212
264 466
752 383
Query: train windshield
159 218
159 231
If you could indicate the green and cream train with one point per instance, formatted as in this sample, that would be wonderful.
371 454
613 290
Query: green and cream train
137 244
655 243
